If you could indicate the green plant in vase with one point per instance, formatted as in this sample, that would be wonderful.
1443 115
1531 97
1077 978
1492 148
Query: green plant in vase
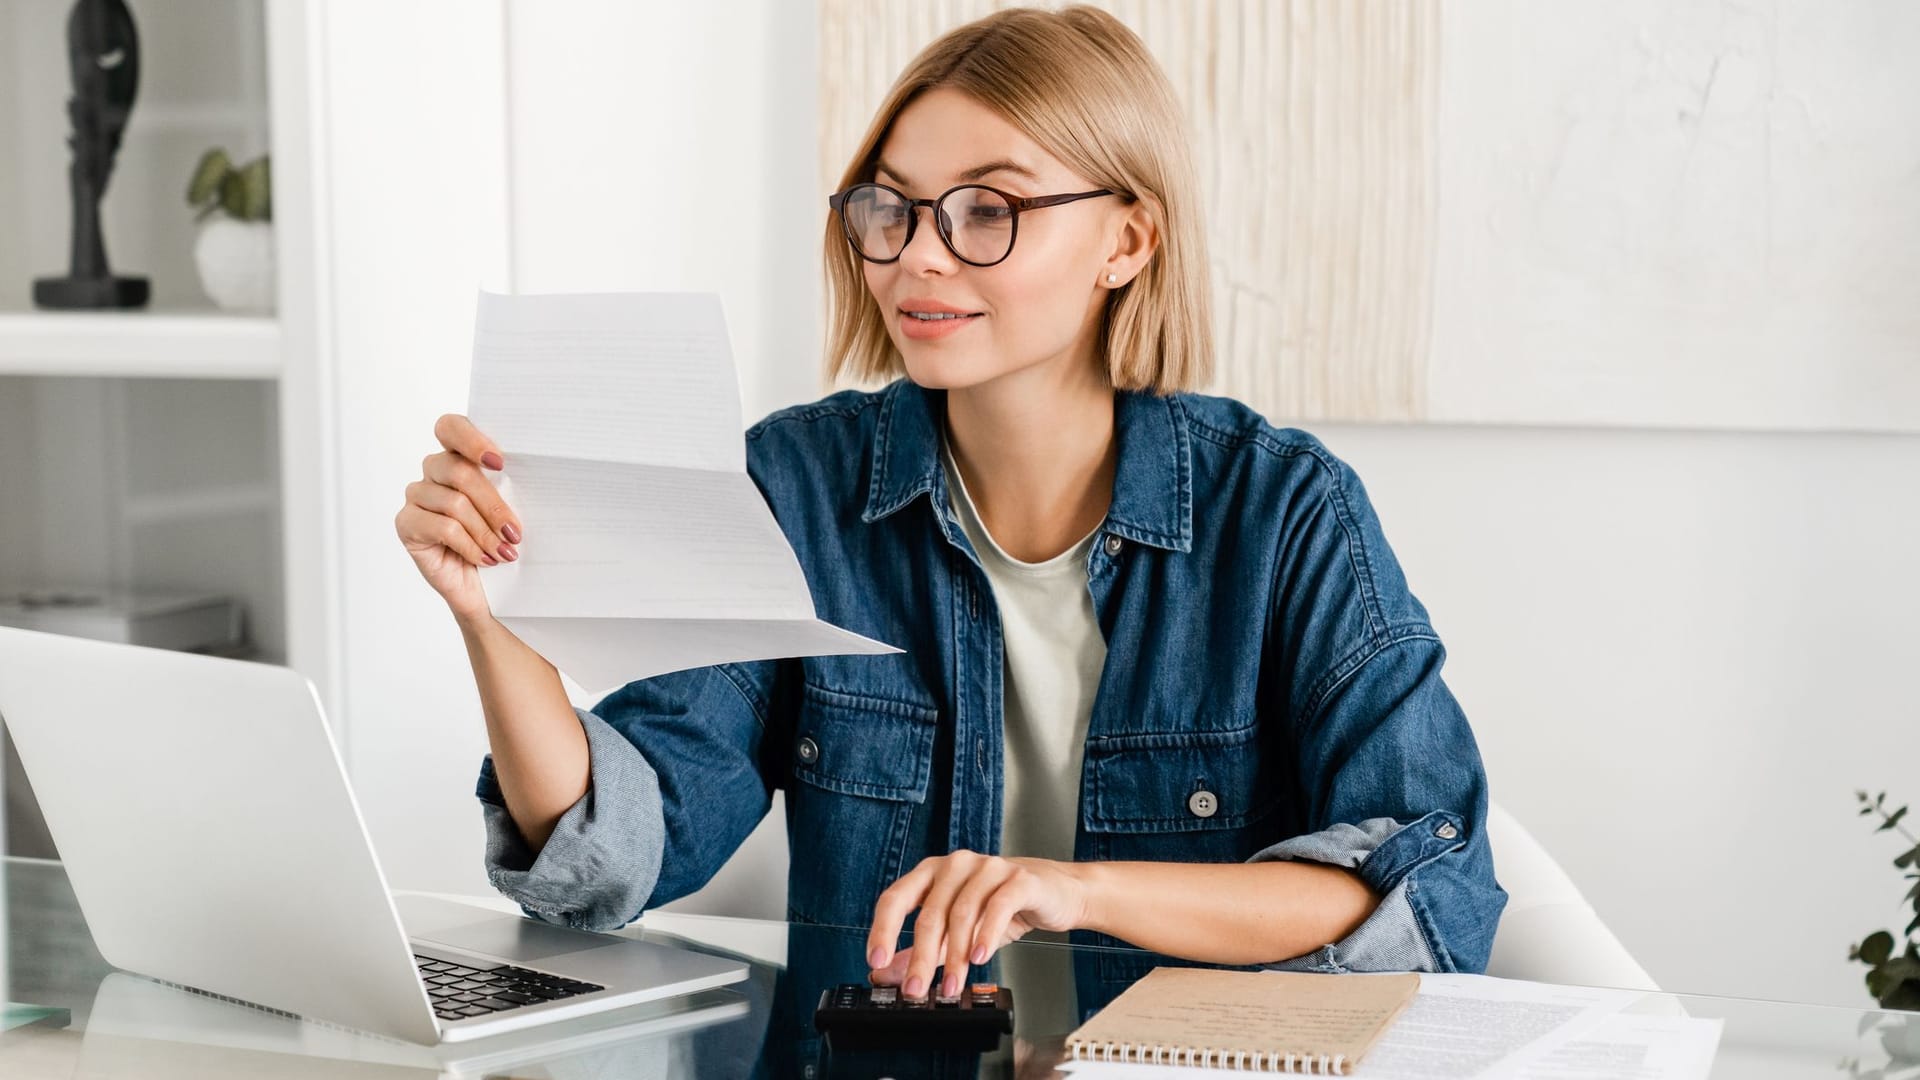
234 249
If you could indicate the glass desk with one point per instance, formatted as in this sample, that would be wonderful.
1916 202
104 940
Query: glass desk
111 1024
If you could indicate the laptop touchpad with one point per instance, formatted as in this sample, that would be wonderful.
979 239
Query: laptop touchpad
511 938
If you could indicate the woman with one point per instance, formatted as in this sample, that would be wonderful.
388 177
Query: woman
1163 680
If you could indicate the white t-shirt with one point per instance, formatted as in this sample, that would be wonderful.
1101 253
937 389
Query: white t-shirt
1054 655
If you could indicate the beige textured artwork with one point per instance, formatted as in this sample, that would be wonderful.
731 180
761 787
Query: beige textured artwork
1312 131
1650 213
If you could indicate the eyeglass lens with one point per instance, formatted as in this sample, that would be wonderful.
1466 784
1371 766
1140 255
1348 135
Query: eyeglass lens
977 223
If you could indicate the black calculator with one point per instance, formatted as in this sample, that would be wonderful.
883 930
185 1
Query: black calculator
856 1017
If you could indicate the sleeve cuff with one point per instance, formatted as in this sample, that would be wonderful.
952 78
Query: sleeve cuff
1385 852
599 866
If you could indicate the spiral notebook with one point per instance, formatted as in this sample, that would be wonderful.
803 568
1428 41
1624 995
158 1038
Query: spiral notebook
1256 1021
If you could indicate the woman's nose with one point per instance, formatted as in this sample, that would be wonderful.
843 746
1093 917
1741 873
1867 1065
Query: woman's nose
925 250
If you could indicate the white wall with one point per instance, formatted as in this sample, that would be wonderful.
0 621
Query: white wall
412 213
1682 651
670 147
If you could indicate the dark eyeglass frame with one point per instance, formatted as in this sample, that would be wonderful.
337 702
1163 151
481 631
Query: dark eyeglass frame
837 202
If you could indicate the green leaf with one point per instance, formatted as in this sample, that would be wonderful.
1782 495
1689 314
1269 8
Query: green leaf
207 177
1877 948
232 199
256 191
1877 982
1902 967
1907 858
1904 995
1911 927
1893 820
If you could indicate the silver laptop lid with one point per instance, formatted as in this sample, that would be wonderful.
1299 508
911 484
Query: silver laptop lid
205 820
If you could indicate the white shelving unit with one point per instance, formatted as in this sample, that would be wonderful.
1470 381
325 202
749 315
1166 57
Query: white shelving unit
146 345
265 456
177 446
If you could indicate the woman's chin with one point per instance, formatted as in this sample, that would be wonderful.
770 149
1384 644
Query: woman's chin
937 370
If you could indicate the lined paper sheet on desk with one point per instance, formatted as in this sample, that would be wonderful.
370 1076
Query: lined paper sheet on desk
648 549
1473 1027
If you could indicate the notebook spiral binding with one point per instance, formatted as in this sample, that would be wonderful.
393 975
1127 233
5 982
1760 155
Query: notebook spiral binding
1241 1061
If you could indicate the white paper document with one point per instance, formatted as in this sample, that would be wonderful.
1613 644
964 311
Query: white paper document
1626 1047
1457 1027
647 548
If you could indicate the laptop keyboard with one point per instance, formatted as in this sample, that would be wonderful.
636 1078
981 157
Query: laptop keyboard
460 992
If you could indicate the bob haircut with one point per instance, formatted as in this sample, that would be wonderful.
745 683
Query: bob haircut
1083 86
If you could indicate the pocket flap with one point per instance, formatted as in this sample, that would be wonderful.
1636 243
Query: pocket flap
856 744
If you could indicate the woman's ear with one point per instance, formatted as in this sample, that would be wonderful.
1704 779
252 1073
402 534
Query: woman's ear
1134 241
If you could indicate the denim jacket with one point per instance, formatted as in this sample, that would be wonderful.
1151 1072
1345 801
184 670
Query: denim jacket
1272 690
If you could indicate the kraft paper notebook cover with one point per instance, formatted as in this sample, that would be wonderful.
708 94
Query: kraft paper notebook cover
1261 1021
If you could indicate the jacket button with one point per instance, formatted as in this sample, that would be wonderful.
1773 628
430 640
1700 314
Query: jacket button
1446 831
1203 803
1113 545
808 750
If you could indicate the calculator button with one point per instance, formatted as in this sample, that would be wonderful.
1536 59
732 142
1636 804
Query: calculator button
884 996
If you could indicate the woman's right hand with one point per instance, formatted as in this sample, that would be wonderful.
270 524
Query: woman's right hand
454 522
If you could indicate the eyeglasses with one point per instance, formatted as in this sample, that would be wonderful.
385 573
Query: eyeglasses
977 223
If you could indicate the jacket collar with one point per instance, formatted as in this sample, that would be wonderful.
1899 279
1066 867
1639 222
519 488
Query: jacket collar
1152 483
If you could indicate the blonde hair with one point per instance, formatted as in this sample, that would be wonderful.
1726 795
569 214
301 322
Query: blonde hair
1084 87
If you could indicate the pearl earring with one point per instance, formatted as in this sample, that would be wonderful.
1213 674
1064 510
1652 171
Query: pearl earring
1111 279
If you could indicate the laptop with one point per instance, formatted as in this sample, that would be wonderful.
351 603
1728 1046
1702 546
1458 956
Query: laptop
205 820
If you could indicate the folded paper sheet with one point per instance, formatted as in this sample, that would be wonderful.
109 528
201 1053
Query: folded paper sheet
647 547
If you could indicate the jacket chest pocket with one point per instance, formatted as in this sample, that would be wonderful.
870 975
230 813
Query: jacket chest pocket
1189 796
862 765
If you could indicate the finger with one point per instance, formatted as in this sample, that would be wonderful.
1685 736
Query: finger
423 527
890 911
446 501
452 470
995 927
895 972
930 926
962 916
458 434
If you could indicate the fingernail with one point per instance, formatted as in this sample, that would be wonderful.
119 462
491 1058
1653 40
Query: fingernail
490 560
877 958
979 954
506 552
492 460
916 986
512 534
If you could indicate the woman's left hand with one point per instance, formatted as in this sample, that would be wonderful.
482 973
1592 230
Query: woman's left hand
970 904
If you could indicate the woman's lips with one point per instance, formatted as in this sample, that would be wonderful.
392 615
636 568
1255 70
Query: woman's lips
933 329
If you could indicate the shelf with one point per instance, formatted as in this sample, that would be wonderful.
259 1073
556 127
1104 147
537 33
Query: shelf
140 344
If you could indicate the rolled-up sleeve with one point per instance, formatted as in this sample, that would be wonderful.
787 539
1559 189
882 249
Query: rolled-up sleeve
1400 797
676 783
603 856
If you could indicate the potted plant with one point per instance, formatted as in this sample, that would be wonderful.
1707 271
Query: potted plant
1893 974
234 250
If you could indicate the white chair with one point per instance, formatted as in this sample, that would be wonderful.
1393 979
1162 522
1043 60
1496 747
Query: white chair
1549 933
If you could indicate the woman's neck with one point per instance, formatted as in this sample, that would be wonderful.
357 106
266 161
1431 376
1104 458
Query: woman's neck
1037 452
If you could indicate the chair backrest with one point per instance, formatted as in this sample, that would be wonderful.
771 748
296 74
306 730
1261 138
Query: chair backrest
1549 933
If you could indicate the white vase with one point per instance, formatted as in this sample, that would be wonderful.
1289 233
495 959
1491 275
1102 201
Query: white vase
236 263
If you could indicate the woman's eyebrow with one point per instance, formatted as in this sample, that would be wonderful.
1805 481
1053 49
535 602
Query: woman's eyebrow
978 172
